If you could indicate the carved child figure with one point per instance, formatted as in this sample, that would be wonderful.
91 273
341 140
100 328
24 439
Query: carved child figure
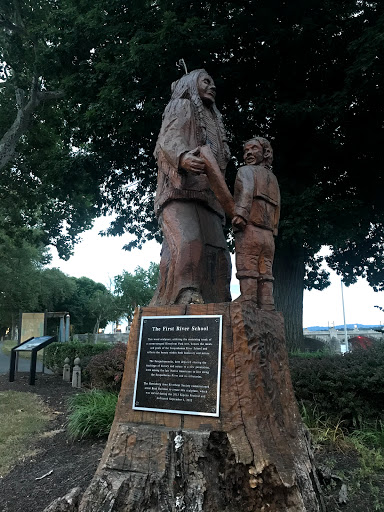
255 223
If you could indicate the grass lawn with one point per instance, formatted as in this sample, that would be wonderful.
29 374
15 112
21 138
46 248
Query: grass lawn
23 417
7 346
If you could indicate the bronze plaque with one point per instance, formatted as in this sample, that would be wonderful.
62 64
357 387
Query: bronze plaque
178 365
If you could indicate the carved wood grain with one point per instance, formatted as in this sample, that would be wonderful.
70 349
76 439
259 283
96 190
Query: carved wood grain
254 457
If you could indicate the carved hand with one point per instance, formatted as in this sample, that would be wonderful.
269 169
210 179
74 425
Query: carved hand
191 162
238 222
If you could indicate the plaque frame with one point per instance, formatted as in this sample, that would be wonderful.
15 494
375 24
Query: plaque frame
217 374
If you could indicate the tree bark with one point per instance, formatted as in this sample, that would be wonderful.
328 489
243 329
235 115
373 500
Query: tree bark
255 456
20 126
96 327
289 272
26 103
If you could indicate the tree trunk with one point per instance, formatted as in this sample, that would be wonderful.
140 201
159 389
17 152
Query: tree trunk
97 324
23 118
255 456
289 271
14 327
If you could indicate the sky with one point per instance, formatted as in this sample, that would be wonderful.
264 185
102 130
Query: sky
102 258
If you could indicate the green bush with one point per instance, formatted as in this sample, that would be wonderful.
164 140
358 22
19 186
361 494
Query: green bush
56 353
105 371
349 388
91 414
316 354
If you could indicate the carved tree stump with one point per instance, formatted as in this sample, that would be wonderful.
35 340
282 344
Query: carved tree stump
254 457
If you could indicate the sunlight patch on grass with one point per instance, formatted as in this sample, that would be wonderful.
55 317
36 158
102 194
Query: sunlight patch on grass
23 418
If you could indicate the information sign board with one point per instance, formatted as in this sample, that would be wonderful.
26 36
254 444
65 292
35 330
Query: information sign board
178 365
32 325
33 343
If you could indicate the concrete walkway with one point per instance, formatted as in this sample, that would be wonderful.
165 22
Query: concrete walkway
24 364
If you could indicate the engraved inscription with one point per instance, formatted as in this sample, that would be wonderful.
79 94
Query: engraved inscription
178 368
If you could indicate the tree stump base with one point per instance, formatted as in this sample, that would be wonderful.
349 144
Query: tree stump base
254 457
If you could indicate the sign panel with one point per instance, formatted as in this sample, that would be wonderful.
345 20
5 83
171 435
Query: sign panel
35 342
32 324
178 365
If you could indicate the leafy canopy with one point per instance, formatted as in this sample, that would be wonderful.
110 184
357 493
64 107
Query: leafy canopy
305 74
136 289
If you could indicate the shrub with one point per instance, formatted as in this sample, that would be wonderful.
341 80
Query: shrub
316 354
91 414
105 371
56 353
349 388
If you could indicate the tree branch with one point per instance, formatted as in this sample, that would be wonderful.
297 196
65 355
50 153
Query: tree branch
50 95
20 98
8 25
18 15
18 24
23 118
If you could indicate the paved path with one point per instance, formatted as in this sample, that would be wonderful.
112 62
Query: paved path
24 364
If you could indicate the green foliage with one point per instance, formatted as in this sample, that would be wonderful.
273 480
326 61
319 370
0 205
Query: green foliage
54 289
91 414
115 93
26 286
370 434
318 354
45 186
311 104
90 306
323 429
348 388
103 306
136 289
56 353
20 264
364 444
106 370
371 459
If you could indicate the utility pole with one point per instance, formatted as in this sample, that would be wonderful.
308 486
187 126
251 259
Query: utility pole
345 325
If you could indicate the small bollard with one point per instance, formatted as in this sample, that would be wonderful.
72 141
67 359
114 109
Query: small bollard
76 374
66 370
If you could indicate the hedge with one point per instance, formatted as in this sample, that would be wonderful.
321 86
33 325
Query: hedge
349 387
56 353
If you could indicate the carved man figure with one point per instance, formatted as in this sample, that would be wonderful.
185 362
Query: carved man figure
256 219
195 265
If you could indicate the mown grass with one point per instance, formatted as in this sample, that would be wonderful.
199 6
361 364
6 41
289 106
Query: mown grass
91 414
7 346
23 417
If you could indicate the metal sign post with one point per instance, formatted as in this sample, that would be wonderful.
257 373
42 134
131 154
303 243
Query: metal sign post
32 345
